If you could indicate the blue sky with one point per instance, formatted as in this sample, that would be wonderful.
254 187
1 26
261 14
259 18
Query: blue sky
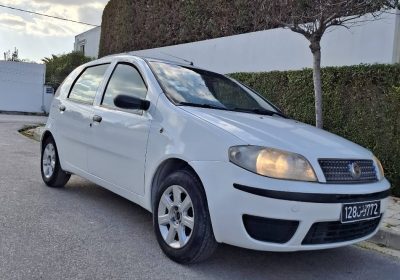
35 36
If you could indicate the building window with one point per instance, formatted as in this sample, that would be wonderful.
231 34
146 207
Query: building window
82 49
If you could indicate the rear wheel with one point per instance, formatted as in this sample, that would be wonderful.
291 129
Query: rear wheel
52 174
181 219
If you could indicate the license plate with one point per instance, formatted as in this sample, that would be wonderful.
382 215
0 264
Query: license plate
359 211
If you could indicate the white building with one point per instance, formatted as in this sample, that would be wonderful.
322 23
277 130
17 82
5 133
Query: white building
88 42
22 87
280 49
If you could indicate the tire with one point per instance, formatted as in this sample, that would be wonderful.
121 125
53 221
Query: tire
52 174
200 242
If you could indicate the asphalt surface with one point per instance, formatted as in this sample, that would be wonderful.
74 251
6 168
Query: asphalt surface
86 232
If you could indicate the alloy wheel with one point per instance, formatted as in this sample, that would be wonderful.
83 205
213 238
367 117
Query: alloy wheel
176 216
49 160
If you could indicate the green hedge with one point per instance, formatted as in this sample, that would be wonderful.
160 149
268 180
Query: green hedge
361 103
129 25
58 67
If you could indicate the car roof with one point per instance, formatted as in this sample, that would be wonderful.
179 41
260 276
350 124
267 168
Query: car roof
183 62
178 61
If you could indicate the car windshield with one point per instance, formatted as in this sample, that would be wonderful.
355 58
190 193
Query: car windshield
200 88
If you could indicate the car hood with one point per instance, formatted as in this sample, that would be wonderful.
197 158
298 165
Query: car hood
280 133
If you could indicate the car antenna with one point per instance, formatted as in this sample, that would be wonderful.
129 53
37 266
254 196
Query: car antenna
188 61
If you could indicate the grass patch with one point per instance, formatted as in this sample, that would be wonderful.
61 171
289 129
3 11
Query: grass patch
28 130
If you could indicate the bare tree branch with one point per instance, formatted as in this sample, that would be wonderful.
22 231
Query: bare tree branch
312 19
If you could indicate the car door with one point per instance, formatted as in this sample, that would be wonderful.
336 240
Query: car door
75 113
119 137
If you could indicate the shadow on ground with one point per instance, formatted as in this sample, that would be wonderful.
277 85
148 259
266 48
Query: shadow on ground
236 263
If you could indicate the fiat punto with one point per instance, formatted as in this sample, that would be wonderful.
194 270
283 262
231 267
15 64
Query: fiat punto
213 160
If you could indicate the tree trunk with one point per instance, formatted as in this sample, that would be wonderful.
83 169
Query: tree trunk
316 51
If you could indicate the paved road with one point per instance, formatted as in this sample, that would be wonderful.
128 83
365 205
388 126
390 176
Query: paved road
86 232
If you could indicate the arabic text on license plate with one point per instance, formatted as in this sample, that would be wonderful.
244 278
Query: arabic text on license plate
359 211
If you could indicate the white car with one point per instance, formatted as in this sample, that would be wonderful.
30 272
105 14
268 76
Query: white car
211 159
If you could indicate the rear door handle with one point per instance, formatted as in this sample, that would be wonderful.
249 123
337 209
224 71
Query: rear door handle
97 118
62 108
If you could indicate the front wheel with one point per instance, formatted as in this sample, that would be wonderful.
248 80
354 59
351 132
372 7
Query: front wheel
52 174
181 219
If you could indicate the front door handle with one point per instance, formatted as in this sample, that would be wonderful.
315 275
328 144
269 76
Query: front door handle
97 118
62 108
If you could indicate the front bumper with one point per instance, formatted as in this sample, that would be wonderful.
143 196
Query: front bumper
228 205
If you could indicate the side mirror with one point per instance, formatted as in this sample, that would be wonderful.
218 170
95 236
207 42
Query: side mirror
130 102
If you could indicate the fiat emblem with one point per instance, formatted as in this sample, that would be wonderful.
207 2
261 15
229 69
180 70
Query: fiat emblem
355 170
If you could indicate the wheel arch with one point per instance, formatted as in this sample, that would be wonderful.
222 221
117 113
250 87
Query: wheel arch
46 134
166 168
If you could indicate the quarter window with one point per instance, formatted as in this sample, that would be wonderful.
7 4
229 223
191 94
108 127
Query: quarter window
126 80
85 87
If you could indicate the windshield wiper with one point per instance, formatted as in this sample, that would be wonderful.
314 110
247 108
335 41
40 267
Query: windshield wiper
208 106
244 110
260 111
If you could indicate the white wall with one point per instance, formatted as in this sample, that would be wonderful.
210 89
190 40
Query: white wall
21 86
282 49
91 40
396 48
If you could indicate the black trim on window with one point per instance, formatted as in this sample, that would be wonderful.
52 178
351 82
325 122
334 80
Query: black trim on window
112 73
77 78
158 80
260 96
214 73
313 197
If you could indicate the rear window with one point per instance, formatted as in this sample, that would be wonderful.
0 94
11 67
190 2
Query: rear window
85 87
65 86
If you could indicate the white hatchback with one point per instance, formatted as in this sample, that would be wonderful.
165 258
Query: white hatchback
211 159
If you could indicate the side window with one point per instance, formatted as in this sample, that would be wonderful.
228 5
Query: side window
125 80
65 86
85 87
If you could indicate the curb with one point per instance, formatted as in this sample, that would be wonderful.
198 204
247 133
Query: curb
37 133
388 238
33 132
23 113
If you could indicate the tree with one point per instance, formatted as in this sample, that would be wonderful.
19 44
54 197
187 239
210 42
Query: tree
58 67
312 18
12 56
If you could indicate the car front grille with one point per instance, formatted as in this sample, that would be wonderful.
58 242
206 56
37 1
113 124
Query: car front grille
339 171
334 232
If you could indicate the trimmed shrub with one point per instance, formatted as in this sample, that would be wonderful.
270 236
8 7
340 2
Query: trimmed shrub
129 25
58 67
361 103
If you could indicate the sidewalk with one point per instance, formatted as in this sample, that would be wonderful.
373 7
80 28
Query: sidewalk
389 234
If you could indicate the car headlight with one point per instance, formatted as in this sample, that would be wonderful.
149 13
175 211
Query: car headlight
380 168
272 163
